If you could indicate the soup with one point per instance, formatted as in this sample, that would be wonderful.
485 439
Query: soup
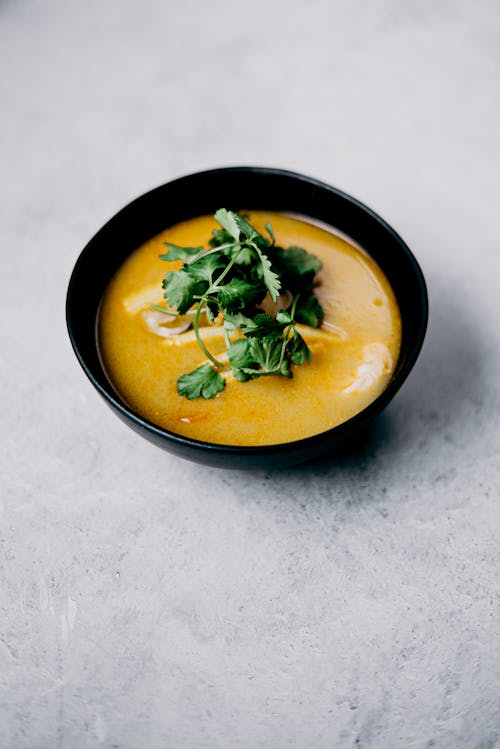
354 351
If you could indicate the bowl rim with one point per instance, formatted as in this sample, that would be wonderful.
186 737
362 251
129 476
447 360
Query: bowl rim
303 444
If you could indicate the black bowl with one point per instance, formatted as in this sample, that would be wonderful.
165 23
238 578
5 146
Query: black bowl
236 188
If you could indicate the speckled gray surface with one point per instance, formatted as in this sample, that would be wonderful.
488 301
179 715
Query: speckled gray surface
146 602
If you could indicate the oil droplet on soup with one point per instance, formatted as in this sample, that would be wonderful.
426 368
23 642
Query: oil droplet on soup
354 352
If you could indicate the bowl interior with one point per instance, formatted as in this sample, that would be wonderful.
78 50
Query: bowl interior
239 188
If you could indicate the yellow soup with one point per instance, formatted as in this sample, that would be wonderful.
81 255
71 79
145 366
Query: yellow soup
354 352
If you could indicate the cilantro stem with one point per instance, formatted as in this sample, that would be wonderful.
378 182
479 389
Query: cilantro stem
284 345
215 285
169 311
222 247
201 343
294 304
286 331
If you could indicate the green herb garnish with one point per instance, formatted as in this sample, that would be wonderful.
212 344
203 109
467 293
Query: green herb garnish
230 281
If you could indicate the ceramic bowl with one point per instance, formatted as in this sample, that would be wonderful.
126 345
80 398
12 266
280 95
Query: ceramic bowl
257 188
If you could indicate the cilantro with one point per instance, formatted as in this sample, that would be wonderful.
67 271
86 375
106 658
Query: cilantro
181 253
256 357
236 294
204 381
180 290
229 282
203 269
233 321
309 311
262 326
227 219
269 356
299 350
270 231
297 260
241 358
270 278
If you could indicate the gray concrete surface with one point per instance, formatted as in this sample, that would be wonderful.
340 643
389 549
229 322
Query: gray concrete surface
146 602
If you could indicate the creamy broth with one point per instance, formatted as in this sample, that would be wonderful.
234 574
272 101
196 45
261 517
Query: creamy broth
354 352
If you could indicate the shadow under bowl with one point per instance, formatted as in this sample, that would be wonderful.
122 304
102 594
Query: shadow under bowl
256 188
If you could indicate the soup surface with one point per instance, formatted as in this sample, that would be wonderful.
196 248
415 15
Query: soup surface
354 352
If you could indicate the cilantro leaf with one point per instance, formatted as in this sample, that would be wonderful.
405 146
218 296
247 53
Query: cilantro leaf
262 326
270 231
298 349
241 357
268 354
227 219
239 353
284 318
237 294
235 320
270 278
212 310
220 237
180 290
181 253
203 381
235 225
309 311
204 268
295 266
243 255
255 357
248 231
300 262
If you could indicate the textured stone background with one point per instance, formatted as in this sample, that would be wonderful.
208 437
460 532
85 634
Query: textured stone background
145 602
